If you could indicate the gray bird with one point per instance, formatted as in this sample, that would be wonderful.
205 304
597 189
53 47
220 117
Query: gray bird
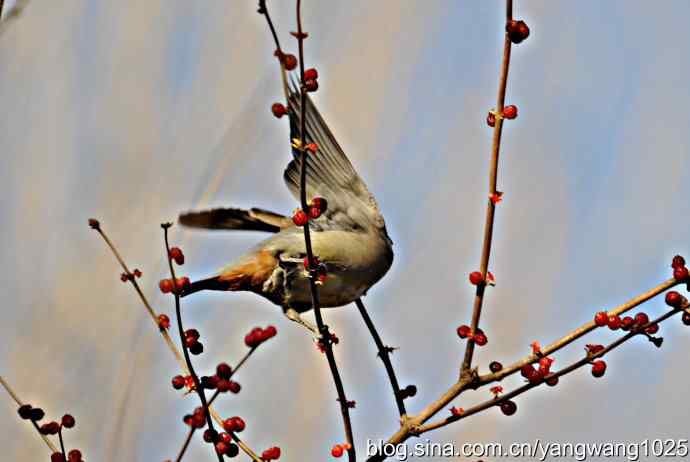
349 238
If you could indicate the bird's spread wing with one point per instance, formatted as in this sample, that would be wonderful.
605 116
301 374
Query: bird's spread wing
329 173
223 218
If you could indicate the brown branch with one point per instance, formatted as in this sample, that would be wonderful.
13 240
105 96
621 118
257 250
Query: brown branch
384 354
472 381
490 206
185 445
19 402
639 330
178 314
325 335
95 224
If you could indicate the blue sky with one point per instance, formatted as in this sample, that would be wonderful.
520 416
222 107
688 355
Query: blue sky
135 111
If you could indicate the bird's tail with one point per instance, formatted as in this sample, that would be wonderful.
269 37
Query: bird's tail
212 283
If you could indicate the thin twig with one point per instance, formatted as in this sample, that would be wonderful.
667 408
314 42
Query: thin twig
490 206
62 443
323 328
185 445
19 402
384 354
185 350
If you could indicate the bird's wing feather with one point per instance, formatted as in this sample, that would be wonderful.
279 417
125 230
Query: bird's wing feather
226 218
329 173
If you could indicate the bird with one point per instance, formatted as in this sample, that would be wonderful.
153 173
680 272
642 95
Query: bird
349 239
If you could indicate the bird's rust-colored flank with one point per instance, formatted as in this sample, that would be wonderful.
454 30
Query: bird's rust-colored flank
252 274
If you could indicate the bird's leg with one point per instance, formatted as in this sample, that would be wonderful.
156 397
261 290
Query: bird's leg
293 315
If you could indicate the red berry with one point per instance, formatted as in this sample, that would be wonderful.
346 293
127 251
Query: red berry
74 456
491 119
686 318
311 85
278 110
517 31
601 318
677 262
165 285
192 334
495 366
314 212
627 323
270 332
508 407
320 203
68 421
545 365
124 277
225 437
94 224
232 450
223 385
312 147
235 387
311 74
178 382
198 420
598 368
337 451
476 278
37 414
593 349
182 283
480 339
210 436
510 112
137 273
674 299
197 348
552 381
224 371
527 371
614 322
163 321
177 255
238 423
189 382
641 319
680 273
653 329
464 331
290 62
57 457
221 447
50 428
25 411
300 218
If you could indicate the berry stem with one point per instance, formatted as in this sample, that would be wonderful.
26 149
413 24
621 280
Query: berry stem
62 443
384 354
19 402
185 445
178 314
490 206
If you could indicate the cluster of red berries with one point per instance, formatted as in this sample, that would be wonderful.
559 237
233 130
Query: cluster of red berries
191 341
124 277
219 381
615 322
479 336
35 414
234 424
197 419
509 112
179 381
167 286
271 454
536 375
316 207
257 336
222 442
339 449
311 82
517 31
